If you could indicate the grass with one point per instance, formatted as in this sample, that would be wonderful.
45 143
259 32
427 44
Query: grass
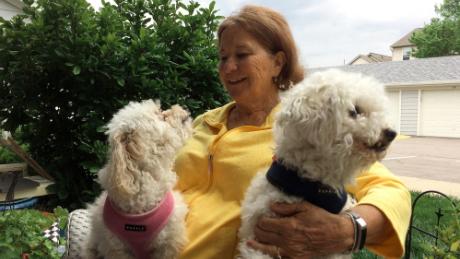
424 217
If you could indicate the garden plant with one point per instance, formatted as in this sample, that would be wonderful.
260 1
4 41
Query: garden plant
22 233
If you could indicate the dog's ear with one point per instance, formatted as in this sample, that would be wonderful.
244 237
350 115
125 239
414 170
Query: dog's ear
175 115
126 155
312 117
179 119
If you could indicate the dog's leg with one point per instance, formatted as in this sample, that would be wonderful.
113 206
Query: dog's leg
90 247
255 204
90 253
172 239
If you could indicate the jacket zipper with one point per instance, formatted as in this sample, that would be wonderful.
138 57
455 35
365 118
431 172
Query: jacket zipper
210 173
210 157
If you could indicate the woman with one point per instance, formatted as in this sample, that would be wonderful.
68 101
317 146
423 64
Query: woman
232 143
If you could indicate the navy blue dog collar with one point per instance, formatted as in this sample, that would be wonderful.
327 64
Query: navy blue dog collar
289 182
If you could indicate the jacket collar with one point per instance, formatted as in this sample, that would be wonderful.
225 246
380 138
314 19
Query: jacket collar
218 117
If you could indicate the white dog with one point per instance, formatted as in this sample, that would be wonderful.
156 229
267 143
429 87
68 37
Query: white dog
139 216
331 126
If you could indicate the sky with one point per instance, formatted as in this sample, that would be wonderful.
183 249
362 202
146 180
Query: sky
334 32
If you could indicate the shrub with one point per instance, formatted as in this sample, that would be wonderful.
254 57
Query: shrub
7 156
450 238
22 233
438 215
65 69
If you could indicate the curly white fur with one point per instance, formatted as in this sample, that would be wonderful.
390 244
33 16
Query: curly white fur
331 126
143 141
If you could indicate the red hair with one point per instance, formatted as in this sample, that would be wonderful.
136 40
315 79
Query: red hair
272 31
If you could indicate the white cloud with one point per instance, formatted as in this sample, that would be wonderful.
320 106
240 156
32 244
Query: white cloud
384 11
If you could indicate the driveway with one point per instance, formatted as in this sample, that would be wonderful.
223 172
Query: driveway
427 158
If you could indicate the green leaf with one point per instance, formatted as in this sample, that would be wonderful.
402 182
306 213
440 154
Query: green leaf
212 5
76 70
58 53
120 81
455 246
102 129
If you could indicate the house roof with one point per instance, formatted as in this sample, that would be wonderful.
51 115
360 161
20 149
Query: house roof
372 58
404 41
426 71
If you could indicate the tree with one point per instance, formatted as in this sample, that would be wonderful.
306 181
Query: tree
65 69
442 36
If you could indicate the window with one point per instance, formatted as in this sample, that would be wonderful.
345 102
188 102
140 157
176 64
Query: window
406 53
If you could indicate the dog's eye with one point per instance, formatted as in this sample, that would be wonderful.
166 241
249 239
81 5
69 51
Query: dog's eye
355 112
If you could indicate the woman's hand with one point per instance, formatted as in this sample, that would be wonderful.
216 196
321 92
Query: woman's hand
302 231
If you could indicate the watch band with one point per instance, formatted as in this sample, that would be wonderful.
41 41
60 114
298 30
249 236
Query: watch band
360 230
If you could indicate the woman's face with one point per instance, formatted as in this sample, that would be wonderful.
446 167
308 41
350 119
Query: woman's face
246 68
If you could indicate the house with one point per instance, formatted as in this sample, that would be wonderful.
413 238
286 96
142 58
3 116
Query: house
369 58
10 8
424 94
402 48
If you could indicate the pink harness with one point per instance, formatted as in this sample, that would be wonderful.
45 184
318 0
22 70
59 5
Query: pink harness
138 230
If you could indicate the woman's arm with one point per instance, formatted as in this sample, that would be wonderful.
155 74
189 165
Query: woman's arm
305 230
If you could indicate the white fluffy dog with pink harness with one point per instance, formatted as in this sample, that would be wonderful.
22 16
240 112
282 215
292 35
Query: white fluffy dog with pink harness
138 215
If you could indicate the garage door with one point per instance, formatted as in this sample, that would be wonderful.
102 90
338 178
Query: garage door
393 97
409 112
440 113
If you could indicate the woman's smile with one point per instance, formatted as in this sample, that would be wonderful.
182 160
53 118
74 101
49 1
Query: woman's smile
236 81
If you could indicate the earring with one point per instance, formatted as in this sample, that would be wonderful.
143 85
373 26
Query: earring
277 81
287 86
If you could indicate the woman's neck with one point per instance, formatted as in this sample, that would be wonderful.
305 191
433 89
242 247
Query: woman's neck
253 114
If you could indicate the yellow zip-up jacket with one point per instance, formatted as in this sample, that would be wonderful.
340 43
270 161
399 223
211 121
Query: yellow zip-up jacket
216 166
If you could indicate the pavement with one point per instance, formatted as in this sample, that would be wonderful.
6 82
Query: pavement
426 163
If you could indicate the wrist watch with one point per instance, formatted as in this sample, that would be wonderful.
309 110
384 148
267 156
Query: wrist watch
360 230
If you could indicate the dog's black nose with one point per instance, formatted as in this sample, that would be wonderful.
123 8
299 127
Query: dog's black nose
389 134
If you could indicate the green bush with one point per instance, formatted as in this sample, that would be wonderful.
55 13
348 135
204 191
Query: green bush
449 236
22 232
439 216
65 69
7 156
